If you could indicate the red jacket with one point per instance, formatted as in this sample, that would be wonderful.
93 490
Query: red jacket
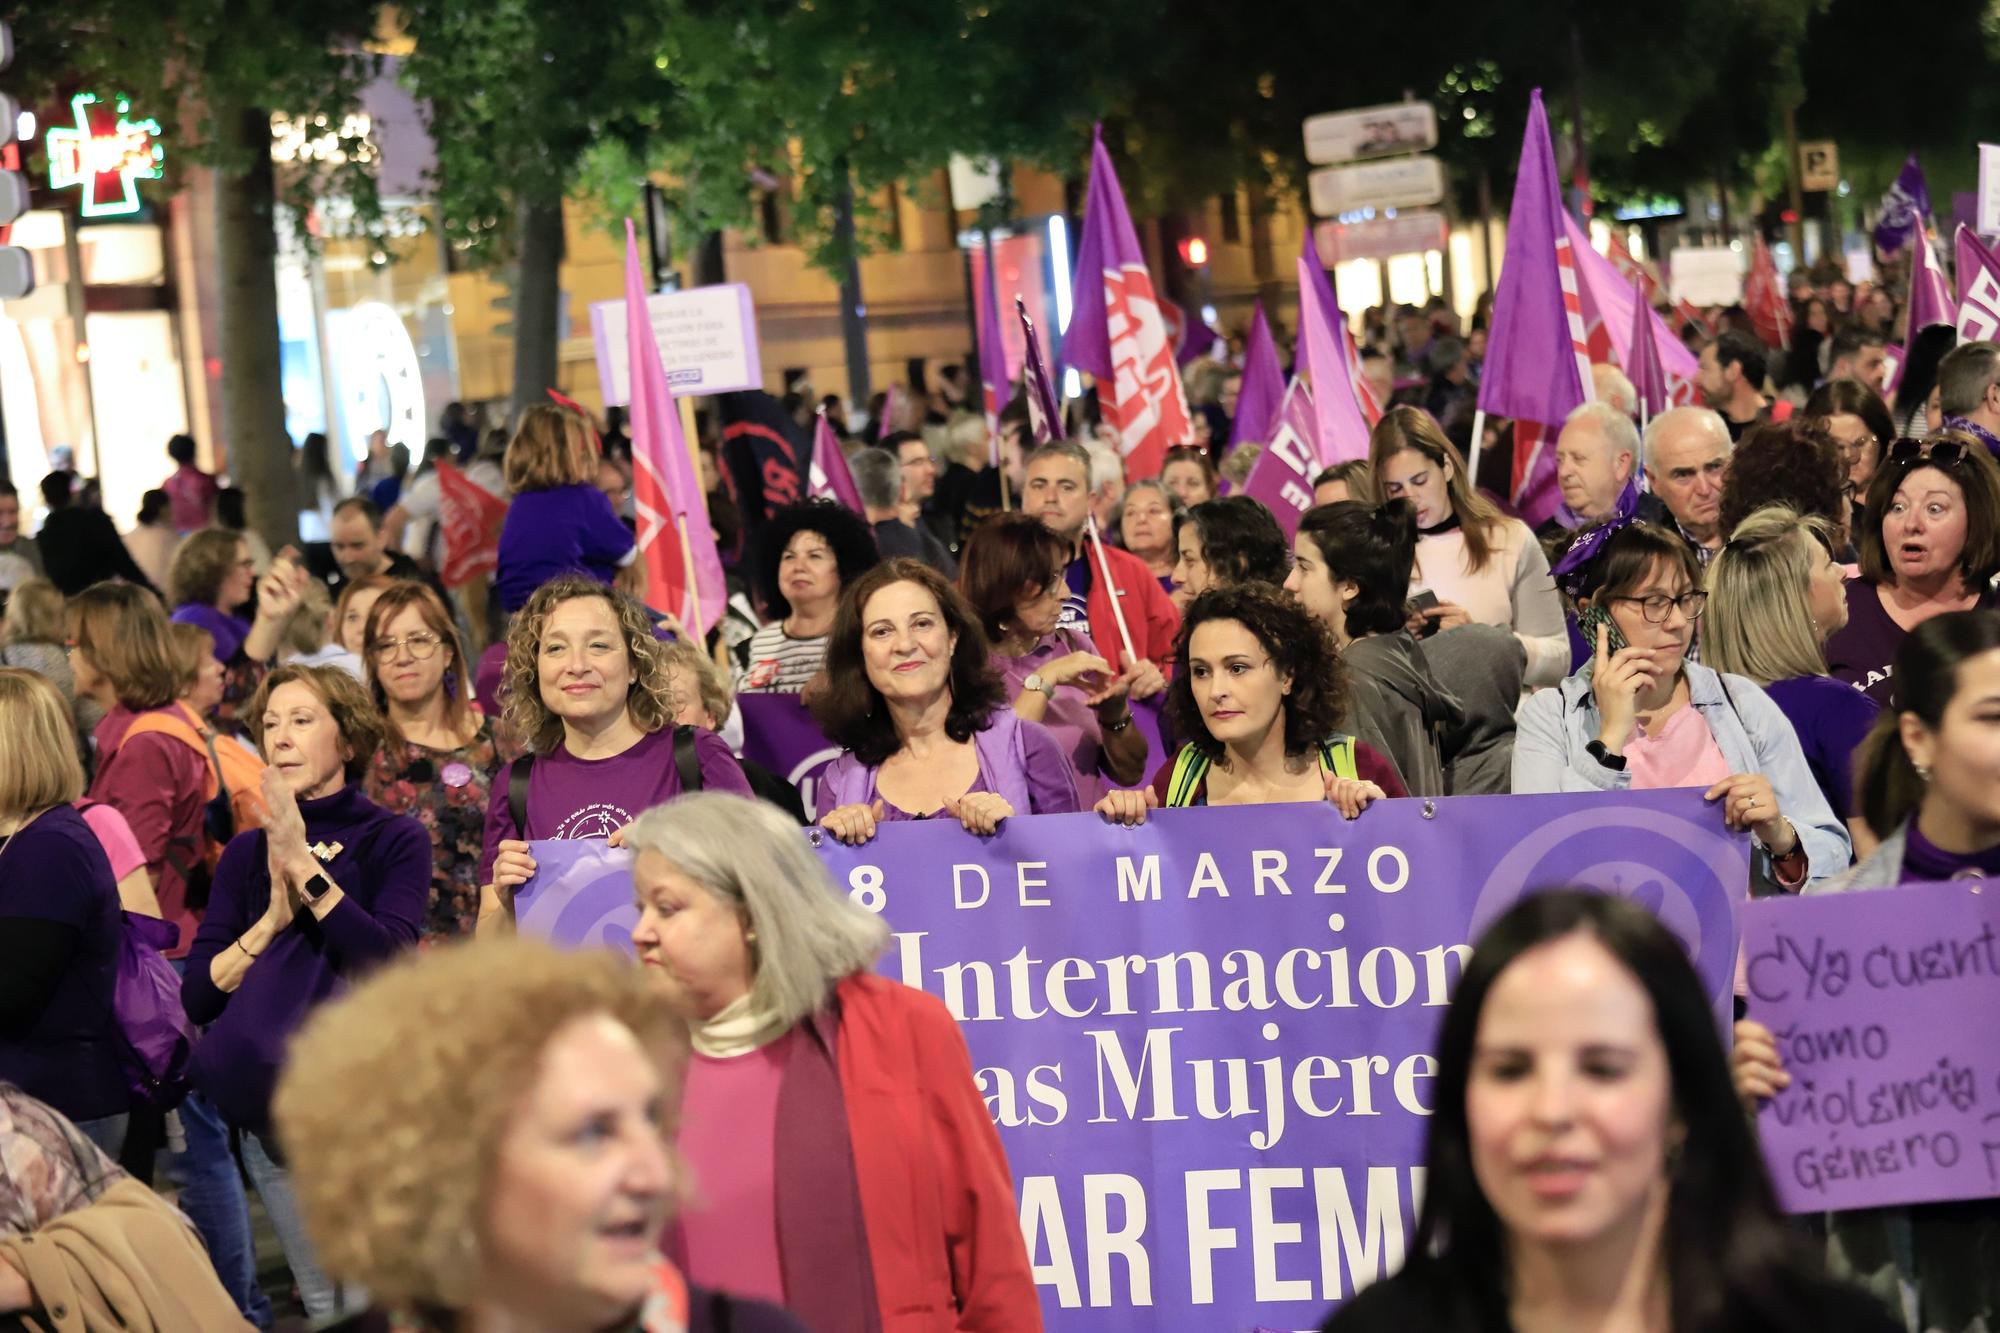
937 1197
1150 616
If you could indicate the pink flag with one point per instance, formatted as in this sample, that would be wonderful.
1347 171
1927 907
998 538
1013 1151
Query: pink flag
1117 332
1343 435
683 568
1764 298
1978 289
1350 355
1608 305
1263 384
1642 362
1281 479
995 385
828 477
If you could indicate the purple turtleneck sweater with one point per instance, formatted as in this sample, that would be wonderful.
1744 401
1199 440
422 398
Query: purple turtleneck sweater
383 868
1925 860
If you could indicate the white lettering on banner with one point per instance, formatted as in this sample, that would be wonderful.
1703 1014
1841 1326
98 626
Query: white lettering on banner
1979 312
1364 1246
1205 1238
1041 1213
1142 886
1267 1234
1103 1242
1370 1249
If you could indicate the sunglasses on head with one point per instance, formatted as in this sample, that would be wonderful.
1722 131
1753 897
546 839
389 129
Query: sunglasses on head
1932 453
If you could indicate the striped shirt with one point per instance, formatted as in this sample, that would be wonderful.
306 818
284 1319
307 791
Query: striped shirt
777 663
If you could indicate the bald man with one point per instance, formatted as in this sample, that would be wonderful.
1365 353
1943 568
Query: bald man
1687 452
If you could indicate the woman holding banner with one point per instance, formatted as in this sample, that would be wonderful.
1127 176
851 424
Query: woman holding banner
803 559
1639 715
1586 1167
587 695
912 696
1259 686
1012 572
1925 784
845 1163
1484 567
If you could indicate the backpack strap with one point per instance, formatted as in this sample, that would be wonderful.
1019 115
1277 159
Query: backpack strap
162 724
687 760
1190 767
518 773
1336 755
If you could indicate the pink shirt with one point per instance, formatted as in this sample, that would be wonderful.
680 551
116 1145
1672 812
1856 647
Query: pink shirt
1683 754
114 835
728 1137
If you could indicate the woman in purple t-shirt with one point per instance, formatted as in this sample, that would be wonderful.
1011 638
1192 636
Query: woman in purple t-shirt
558 521
588 694
910 693
1930 543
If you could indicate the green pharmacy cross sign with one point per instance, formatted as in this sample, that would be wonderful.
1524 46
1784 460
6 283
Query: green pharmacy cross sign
104 155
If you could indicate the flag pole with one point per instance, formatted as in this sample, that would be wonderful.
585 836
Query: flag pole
1478 438
1110 588
687 563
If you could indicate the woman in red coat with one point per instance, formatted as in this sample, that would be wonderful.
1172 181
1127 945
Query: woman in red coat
843 1162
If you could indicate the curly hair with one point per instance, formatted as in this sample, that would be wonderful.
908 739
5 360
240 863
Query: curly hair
852 540
202 561
847 705
1240 540
402 1061
361 727
1300 646
650 701
1791 463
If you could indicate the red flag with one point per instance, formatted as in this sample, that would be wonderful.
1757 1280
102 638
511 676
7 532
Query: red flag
471 521
1634 271
1764 299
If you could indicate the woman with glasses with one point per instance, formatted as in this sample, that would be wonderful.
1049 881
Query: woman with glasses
1639 715
438 753
1146 522
1930 543
1856 419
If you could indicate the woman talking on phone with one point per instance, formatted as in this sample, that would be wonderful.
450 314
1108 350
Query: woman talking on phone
1639 715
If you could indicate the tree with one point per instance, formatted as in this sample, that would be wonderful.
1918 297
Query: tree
214 72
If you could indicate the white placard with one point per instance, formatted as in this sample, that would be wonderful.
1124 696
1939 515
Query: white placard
707 338
1707 275
1404 182
1373 131
1988 223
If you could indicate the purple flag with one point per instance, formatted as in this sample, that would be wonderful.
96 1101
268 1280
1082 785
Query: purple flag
1263 384
1044 409
829 477
780 734
1117 331
1904 208
1282 478
1930 297
1978 290
1605 291
996 385
1530 372
1642 363
1343 434
1197 339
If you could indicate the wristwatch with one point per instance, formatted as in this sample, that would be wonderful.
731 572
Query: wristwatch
1035 682
315 889
1602 754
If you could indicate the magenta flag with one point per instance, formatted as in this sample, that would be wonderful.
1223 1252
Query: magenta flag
1343 434
1642 362
992 359
1607 295
683 567
1044 407
1930 297
1530 370
828 478
1117 331
1978 290
1263 384
1282 478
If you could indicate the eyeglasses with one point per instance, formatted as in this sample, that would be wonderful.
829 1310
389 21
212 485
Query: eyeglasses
1656 607
422 647
1945 454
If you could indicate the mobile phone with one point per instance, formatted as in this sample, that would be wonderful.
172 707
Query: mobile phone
1587 626
1425 601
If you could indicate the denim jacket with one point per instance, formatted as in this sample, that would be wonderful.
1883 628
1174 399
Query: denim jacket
1553 728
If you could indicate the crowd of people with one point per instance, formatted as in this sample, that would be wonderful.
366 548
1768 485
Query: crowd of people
317 777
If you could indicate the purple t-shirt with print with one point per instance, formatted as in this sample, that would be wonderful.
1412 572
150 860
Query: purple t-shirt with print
588 798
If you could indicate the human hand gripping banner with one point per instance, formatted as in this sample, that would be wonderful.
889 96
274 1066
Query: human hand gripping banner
1206 1041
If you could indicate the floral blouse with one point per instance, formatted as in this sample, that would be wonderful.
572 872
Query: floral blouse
47 1166
446 791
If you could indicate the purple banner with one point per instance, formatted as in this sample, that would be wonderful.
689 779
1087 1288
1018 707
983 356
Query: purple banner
581 894
781 735
1207 1041
1880 1002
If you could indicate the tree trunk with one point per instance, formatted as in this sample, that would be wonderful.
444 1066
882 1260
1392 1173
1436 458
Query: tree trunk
537 296
709 267
853 314
258 451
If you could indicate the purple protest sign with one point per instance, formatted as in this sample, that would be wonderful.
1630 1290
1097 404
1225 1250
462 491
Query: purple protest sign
781 735
1206 1041
581 894
1874 999
1281 478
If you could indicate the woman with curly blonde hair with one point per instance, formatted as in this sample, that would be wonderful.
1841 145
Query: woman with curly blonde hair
548 1173
589 696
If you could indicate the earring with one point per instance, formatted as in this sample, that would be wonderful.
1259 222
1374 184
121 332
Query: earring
750 936
1923 772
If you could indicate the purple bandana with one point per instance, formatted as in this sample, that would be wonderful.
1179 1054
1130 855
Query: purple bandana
1572 571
